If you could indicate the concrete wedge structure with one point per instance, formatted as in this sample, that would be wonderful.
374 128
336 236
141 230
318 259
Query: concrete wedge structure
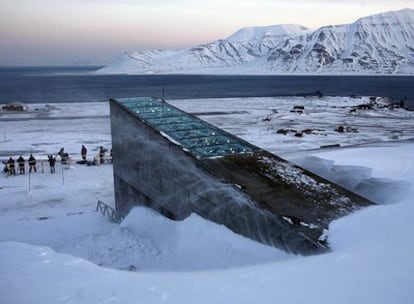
178 164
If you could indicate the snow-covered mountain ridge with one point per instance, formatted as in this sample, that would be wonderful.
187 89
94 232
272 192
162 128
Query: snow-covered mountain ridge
377 44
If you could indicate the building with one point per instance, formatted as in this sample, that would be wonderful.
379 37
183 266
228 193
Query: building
177 164
15 107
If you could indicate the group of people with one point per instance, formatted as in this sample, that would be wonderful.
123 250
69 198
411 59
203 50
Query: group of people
10 167
101 154
21 163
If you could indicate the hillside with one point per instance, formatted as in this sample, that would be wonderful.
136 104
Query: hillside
377 44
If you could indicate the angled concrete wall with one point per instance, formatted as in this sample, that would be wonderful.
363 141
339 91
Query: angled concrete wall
151 169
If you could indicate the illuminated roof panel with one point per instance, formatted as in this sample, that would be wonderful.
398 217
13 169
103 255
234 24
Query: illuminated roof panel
195 135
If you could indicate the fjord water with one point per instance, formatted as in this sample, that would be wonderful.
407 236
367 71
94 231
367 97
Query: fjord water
80 84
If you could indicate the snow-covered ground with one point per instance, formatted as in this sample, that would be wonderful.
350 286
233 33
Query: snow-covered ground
54 247
258 120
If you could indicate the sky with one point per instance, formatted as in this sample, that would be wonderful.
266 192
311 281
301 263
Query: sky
95 32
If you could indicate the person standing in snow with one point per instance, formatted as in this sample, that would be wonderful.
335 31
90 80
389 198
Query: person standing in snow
21 161
11 166
32 163
64 157
83 152
52 161
102 154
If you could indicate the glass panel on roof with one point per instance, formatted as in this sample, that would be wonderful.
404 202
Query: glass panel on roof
170 120
222 150
158 114
194 134
205 141
170 128
140 102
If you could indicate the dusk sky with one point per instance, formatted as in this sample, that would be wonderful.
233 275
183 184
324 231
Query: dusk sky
94 32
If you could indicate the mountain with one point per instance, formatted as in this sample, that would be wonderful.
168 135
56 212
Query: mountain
382 43
272 32
244 46
377 44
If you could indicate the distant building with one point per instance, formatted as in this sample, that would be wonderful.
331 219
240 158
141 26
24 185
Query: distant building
177 164
298 109
396 134
15 107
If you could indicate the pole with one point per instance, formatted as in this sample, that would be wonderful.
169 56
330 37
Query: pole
163 87
29 181
63 177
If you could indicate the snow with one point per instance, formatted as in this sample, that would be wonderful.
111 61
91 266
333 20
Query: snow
55 248
391 162
258 33
258 121
377 44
